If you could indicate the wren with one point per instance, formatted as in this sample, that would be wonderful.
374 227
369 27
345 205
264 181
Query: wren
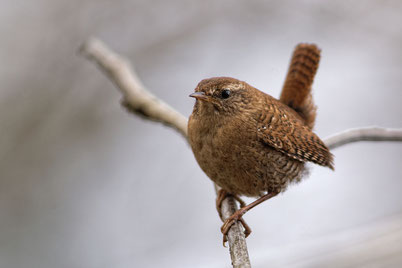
251 144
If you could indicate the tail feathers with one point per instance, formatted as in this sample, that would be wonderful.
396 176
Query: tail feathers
296 92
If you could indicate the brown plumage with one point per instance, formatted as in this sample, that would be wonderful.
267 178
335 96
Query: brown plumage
252 144
296 92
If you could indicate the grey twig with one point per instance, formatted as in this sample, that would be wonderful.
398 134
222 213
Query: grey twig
141 102
363 134
236 238
135 96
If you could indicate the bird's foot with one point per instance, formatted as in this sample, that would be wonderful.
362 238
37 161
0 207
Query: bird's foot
222 194
237 216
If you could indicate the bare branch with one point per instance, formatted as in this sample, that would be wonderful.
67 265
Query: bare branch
236 238
363 134
141 102
135 96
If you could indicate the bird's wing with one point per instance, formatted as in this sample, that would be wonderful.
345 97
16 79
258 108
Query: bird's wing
284 131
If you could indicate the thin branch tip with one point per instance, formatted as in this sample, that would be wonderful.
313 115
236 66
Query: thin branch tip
374 133
136 97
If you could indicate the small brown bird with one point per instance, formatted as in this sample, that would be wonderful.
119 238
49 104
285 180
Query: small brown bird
252 144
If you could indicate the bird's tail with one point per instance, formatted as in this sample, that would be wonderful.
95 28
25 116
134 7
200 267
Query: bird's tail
296 92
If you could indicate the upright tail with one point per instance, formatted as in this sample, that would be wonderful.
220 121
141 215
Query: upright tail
296 92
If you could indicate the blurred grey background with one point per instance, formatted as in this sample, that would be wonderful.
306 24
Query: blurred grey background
85 184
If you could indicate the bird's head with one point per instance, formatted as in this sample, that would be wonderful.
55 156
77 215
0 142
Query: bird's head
222 95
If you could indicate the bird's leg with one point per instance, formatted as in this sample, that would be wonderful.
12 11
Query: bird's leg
237 216
222 194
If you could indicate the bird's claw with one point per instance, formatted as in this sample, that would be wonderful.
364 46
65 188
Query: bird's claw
228 224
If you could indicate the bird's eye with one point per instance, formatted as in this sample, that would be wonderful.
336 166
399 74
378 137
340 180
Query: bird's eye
225 93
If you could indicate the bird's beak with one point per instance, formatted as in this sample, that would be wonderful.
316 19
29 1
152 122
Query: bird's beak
200 96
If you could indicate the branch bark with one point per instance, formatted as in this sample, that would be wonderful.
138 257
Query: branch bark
363 134
236 238
143 103
136 97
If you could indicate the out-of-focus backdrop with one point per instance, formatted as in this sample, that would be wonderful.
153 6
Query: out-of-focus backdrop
85 184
